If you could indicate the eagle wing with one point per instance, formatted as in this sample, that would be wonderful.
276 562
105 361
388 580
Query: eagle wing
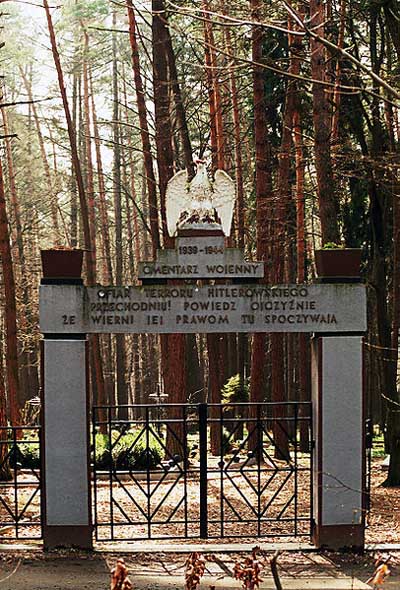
224 199
177 199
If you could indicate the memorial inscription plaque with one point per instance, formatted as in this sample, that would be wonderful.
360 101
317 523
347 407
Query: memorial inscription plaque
210 308
200 258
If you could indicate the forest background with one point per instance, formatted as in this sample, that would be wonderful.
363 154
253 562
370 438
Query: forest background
103 101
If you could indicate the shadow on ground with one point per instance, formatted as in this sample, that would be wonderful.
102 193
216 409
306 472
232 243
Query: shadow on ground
165 571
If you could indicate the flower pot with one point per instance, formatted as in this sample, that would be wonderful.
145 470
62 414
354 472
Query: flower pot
62 264
340 263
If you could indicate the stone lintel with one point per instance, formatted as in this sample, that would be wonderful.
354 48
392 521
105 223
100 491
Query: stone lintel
187 308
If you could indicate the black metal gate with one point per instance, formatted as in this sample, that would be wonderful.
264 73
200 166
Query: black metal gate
205 471
20 483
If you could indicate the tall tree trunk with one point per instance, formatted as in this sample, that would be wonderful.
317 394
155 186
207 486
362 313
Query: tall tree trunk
280 256
392 18
162 108
211 101
215 379
134 255
216 343
5 471
122 391
94 339
46 165
240 209
263 191
76 78
107 353
102 203
144 131
328 205
88 152
173 345
10 309
90 261
394 466
337 93
214 91
129 190
179 107
74 151
393 477
304 339
385 229
381 200
23 294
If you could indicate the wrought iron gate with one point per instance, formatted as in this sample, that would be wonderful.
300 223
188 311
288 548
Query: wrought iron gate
205 471
20 483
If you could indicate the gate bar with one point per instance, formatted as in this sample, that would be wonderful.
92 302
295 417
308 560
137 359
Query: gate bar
203 470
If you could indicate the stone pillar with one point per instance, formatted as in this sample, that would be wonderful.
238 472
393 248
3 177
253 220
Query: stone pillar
66 491
66 479
338 430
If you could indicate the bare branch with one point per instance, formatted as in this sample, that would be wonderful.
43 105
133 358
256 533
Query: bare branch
225 20
274 570
3 105
335 49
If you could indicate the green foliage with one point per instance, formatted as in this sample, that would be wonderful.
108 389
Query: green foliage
84 10
129 451
233 393
102 459
275 49
226 441
355 213
25 455
378 450
332 246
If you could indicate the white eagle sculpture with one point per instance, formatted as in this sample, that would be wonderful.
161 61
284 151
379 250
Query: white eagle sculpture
200 201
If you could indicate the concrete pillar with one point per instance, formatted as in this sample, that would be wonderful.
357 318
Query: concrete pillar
66 493
66 477
338 425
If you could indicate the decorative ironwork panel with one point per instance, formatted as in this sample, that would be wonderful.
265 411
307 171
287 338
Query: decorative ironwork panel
261 485
204 470
20 483
141 474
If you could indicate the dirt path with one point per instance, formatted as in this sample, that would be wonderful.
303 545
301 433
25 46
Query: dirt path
53 573
161 571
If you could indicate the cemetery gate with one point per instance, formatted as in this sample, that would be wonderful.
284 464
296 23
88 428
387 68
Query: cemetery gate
196 474
162 477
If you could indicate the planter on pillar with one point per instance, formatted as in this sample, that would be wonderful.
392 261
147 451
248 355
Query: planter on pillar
62 263
339 263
